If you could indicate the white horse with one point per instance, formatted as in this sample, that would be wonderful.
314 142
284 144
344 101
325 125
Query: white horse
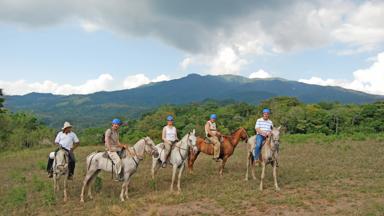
269 155
179 154
60 168
96 162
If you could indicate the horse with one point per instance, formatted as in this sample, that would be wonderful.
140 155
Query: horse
60 168
269 155
178 155
96 162
227 148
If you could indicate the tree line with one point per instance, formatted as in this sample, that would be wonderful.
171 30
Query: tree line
24 130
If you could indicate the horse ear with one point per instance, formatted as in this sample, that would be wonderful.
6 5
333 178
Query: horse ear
279 127
193 132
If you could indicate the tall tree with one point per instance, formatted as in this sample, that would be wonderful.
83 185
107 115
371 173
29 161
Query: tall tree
1 101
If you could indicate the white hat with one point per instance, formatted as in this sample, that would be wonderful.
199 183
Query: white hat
66 125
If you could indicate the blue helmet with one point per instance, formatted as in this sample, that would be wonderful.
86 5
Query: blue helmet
170 118
117 121
266 110
213 116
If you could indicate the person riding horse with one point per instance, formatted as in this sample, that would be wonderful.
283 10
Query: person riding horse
213 135
263 129
68 141
169 136
114 147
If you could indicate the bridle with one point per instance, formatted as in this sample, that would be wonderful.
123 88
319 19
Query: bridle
276 143
63 162
189 144
140 156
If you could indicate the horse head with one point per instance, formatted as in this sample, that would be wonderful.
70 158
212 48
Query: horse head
150 148
243 134
192 141
61 161
275 142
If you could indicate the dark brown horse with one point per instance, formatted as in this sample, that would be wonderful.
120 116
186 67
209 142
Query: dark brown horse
226 149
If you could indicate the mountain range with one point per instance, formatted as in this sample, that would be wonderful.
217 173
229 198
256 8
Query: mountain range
97 108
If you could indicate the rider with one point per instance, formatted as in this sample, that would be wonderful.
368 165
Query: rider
68 141
263 129
213 135
113 146
169 136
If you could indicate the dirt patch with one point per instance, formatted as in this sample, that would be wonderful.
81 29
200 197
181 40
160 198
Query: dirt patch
202 207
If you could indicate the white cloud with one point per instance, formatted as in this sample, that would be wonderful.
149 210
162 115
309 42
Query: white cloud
185 63
135 81
261 74
161 78
370 80
141 79
90 26
227 61
104 82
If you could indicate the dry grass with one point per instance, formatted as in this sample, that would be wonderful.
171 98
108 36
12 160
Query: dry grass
338 178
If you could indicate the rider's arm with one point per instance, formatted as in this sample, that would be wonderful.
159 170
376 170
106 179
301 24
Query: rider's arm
207 129
163 135
76 142
106 139
57 139
177 138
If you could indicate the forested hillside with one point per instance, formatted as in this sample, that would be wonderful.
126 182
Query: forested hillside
95 109
24 130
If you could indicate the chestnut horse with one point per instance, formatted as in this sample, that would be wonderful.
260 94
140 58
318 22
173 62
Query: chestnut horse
226 149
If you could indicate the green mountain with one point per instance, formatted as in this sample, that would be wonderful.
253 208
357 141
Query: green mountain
98 108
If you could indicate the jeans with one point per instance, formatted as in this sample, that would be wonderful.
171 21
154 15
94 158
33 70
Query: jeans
259 141
71 162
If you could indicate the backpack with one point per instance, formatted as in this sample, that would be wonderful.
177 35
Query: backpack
103 138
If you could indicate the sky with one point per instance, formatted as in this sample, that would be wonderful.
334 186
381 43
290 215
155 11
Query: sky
80 47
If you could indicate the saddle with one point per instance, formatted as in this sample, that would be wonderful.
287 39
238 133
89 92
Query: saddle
122 154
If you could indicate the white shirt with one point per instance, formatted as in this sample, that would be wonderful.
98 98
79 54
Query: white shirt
264 125
211 127
66 140
170 133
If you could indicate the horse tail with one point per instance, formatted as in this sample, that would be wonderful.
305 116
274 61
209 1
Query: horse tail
90 161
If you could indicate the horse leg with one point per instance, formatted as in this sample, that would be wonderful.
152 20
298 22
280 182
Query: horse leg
65 188
126 189
180 173
86 183
262 175
191 161
155 167
173 176
275 176
90 182
222 165
122 191
252 167
54 183
246 173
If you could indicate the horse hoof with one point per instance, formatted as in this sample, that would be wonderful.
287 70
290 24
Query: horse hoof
246 179
277 189
81 201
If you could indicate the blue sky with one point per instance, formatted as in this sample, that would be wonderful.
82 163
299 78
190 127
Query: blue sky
79 48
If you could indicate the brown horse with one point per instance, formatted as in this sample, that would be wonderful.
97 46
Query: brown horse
226 149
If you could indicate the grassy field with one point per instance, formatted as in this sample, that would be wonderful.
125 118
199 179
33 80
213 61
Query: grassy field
316 178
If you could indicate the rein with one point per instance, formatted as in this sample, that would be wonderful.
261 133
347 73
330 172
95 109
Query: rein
186 149
140 157
64 161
